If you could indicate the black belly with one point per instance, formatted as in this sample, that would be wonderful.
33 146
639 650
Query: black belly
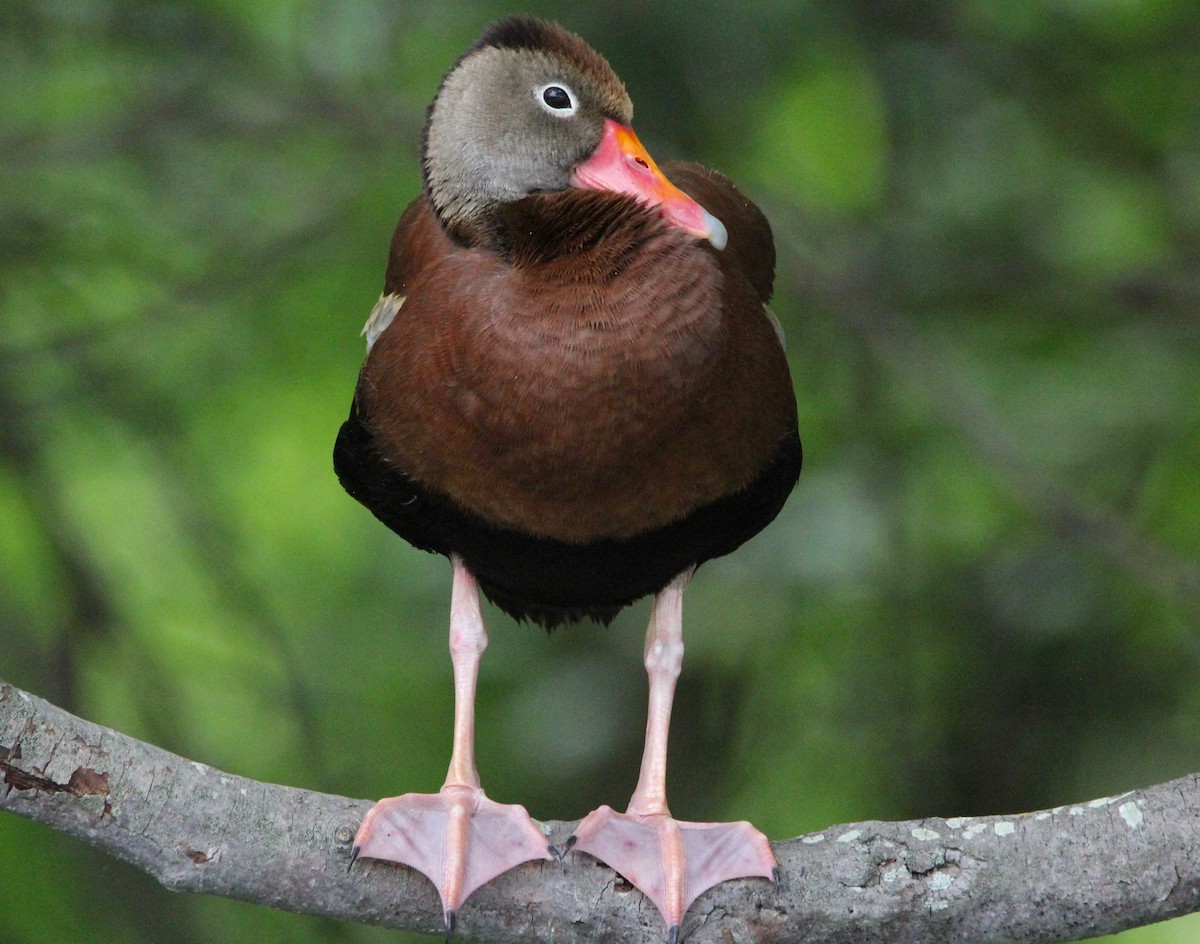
548 581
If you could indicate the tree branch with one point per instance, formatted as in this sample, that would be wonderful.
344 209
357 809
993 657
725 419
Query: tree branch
1056 875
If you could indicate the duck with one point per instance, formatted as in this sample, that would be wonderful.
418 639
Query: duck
575 391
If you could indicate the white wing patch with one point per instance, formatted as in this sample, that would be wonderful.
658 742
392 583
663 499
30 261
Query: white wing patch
381 316
767 311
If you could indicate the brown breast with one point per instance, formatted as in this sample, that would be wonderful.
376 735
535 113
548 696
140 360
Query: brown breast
599 376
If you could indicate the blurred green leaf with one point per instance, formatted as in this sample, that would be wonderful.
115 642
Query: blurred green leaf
823 137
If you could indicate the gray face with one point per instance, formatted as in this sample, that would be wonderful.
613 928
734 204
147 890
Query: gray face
507 123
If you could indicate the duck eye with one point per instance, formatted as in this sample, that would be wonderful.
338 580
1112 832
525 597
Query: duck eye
557 99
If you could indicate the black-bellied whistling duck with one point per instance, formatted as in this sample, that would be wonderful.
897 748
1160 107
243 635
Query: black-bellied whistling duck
574 390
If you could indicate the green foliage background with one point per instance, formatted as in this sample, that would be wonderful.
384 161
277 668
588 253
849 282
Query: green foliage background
983 596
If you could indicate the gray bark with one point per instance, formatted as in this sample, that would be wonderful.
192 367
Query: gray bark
1056 875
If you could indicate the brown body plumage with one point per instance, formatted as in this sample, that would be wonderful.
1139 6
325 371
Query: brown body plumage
589 374
579 395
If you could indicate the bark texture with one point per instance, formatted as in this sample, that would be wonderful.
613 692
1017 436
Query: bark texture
1056 875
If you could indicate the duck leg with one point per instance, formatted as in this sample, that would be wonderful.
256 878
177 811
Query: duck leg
457 837
672 862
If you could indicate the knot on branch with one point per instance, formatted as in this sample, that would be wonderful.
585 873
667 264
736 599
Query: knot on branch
82 782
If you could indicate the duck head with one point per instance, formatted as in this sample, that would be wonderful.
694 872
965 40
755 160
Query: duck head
531 108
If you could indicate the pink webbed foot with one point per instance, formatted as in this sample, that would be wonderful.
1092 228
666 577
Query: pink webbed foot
673 862
458 838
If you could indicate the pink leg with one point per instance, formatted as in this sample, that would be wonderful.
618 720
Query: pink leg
457 837
671 861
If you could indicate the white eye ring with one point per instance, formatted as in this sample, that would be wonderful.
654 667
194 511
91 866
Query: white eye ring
558 111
